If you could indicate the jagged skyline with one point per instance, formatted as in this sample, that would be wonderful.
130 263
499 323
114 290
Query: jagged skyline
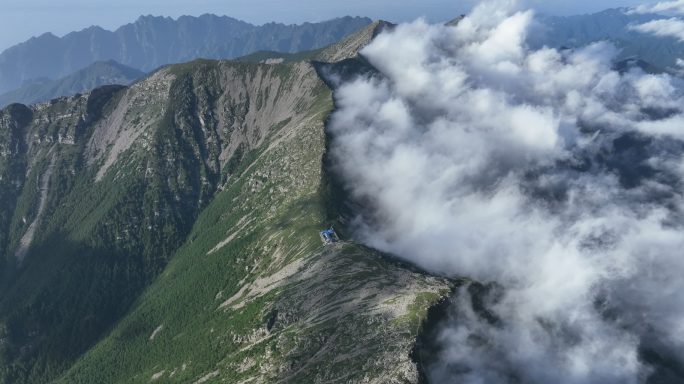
21 21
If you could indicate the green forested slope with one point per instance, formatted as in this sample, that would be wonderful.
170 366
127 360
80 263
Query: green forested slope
175 238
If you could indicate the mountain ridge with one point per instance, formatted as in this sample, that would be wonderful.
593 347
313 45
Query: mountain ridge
179 240
96 74
611 24
581 29
151 42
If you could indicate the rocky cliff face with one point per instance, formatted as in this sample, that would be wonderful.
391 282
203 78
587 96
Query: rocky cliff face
349 47
169 233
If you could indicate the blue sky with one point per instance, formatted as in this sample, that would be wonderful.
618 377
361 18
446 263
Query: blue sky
21 19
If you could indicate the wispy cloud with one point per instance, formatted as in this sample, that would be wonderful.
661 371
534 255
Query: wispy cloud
667 27
541 170
661 7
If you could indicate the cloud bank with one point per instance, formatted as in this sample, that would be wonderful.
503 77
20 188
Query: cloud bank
543 171
663 6
672 27
667 27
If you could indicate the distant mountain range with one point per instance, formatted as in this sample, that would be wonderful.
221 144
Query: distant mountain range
151 42
612 24
110 73
582 29
90 58
96 74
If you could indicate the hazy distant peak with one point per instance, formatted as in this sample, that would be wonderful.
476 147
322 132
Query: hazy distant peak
94 28
95 75
38 80
46 35
152 17
154 41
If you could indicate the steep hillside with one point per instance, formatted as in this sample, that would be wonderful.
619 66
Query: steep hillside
96 74
151 42
169 233
349 47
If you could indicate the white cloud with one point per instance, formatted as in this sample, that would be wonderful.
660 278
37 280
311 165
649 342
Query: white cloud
663 7
666 27
479 157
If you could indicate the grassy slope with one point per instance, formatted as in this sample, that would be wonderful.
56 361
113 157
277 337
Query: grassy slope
218 151
183 299
273 303
81 273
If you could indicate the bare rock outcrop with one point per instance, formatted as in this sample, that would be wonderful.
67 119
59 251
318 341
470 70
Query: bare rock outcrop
350 47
